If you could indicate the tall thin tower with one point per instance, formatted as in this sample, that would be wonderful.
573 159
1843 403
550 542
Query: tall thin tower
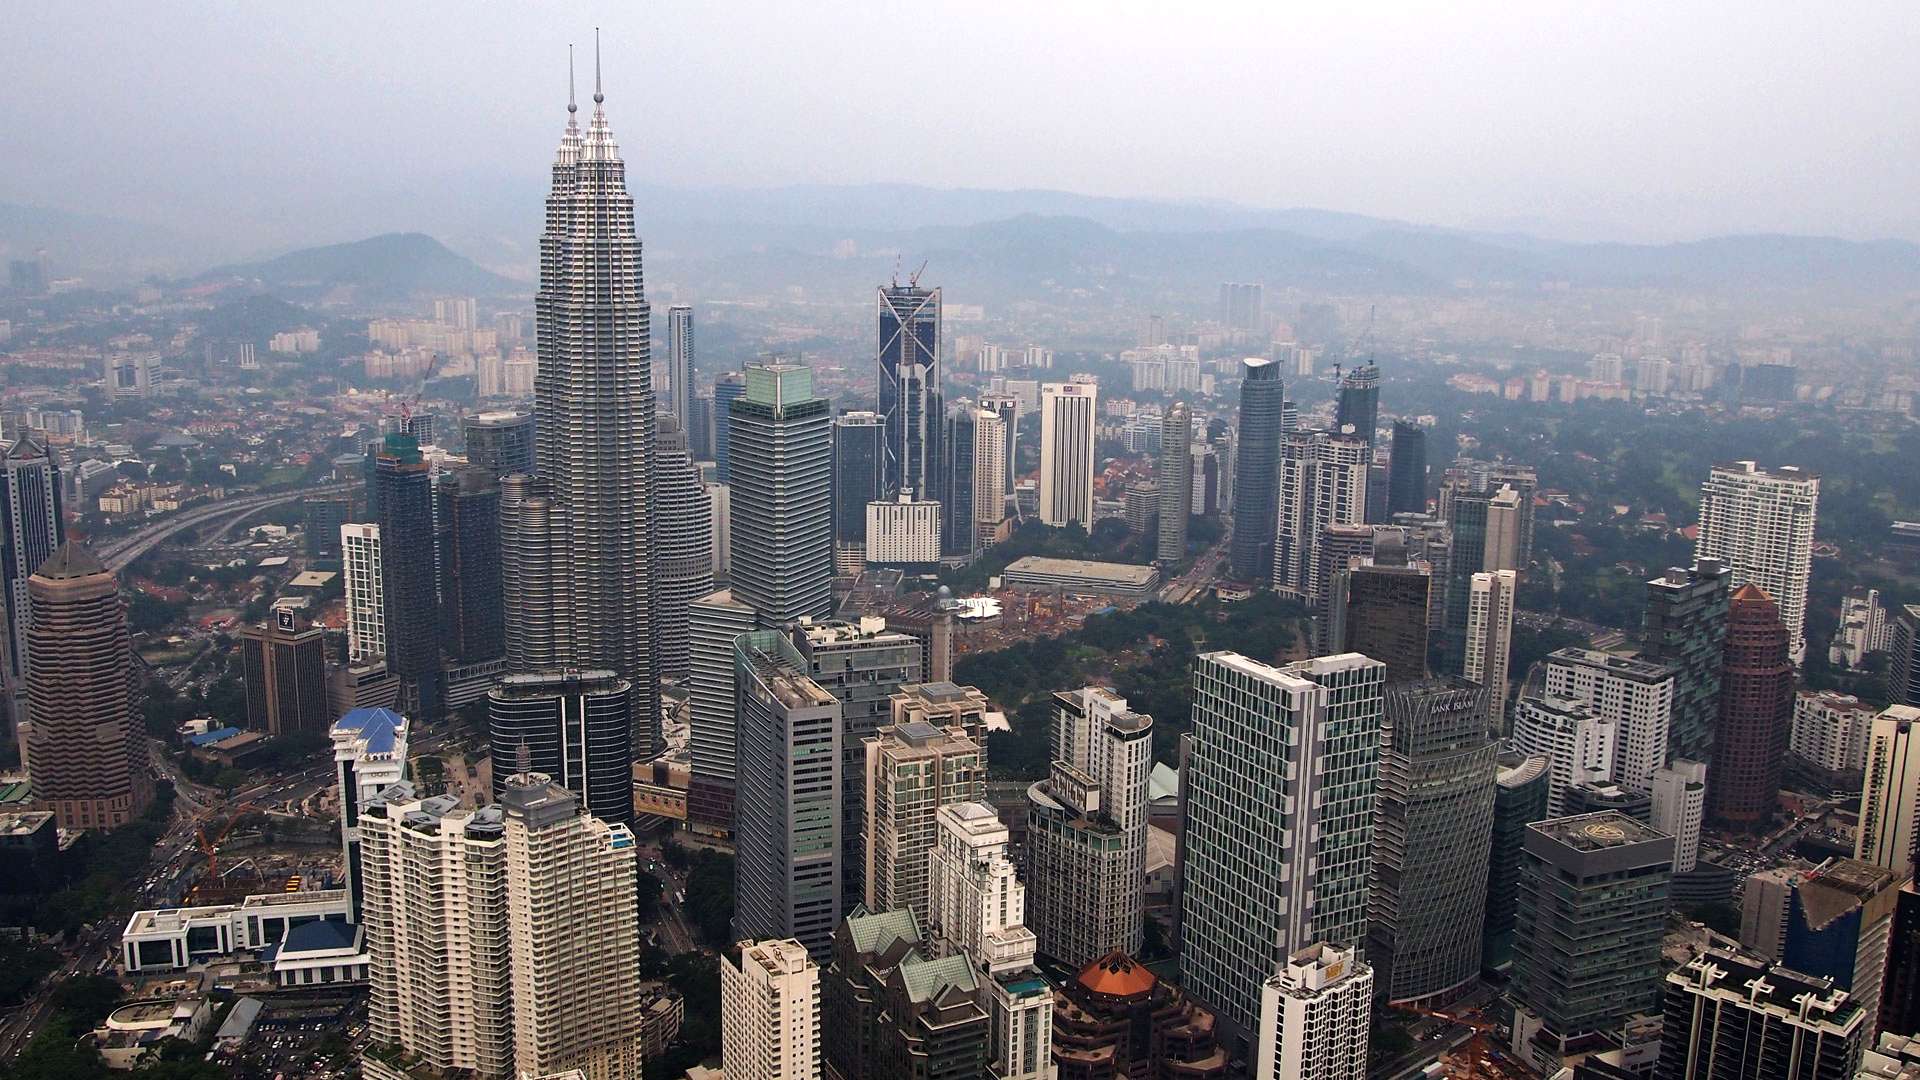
594 444
910 404
1256 470
679 387
31 529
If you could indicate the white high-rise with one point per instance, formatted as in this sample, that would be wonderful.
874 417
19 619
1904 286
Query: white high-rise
677 392
1636 695
1577 743
1759 522
770 1012
1490 634
1323 483
366 610
978 906
1314 1017
1891 795
990 465
1068 415
912 770
1679 795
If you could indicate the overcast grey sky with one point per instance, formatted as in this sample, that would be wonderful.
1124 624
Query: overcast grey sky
1663 119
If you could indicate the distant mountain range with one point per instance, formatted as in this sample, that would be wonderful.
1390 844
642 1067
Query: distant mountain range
391 266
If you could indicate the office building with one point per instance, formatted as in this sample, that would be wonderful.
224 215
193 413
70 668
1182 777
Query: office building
369 756
1765 901
1890 798
1432 831
904 533
787 824
1007 408
728 387
1636 696
1586 943
910 403
977 905
467 545
1290 755
1358 405
1087 830
1686 626
989 476
1756 714
1678 808
1839 923
1116 1018
1728 1015
1079 575
867 948
1831 731
715 621
957 472
31 530
1315 1015
1323 483
1174 475
588 554
684 572
1240 305
780 499
1759 524
285 663
893 1008
1593 796
1502 550
1379 608
1577 743
857 446
322 521
1490 598
1903 657
86 752
912 770
1256 470
770 1011
408 590
1900 988
576 727
1407 470
130 376
501 442
1068 418
1519 800
677 388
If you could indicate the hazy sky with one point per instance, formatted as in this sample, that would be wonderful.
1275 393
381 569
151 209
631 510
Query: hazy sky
1661 119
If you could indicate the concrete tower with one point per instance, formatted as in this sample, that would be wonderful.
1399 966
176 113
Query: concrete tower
1256 470
1174 474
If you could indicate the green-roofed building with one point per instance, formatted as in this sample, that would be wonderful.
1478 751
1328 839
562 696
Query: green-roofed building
890 1010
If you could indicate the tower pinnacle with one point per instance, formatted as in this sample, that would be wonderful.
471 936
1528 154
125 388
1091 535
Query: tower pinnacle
571 107
598 97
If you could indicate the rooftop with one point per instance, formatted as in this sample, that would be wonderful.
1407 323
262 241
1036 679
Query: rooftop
1116 975
1598 832
1141 576
1628 666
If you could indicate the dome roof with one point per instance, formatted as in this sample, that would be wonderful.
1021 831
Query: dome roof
1117 975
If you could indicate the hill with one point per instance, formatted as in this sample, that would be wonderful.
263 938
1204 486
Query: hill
393 266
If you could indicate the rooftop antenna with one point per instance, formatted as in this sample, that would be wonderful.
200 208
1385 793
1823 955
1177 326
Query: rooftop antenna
571 107
598 97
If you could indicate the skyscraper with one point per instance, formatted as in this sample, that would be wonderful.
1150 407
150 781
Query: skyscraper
912 770
910 405
857 442
990 487
1890 798
1174 474
323 518
594 439
727 389
501 442
770 1011
407 574
1069 413
1256 470
1577 743
1323 483
1686 626
1679 807
1433 826
1290 755
1729 1015
1315 1016
1007 408
679 381
1359 402
685 550
576 727
1519 800
31 530
1407 471
285 663
958 514
1636 696
1756 714
781 498
1903 659
1379 608
467 535
1759 523
1240 304
87 750
366 604
1490 635
713 623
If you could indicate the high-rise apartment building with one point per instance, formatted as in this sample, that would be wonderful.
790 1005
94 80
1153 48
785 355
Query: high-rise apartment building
1007 407
1490 598
910 403
365 590
1756 714
1087 829
1519 800
87 751
1432 832
893 1007
780 498
1729 1015
31 530
408 588
285 663
1323 483
677 390
858 442
1240 306
322 518
912 770
467 546
576 727
1679 806
1358 406
1256 470
989 480
1068 416
1174 475
684 572
1315 1016
501 442
369 756
1636 696
1759 524
787 824
1378 607
1407 470
1686 626
1577 743
1502 551
715 622
1593 907
1890 799
1290 755
770 1011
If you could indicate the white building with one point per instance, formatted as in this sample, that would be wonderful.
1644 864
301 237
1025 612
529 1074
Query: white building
1069 413
1891 794
1578 745
366 613
1831 730
990 444
1652 374
1323 483
770 1012
978 906
1314 1017
129 376
912 770
1679 794
1759 522
903 532
170 939
1863 628
1607 368
1635 695
369 756
1490 634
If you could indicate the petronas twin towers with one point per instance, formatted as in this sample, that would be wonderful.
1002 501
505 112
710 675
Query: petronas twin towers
578 537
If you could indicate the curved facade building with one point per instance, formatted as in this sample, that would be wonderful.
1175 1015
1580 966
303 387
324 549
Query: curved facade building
1256 470
1519 799
1174 474
535 597
576 728
684 572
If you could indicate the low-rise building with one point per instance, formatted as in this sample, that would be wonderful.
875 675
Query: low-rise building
1082 575
170 939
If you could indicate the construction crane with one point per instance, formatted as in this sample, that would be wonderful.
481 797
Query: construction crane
211 848
1366 338
1476 1046
406 407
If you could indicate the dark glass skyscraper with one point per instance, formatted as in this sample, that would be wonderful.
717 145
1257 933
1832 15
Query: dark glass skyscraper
1686 626
856 482
781 527
409 595
501 442
31 530
685 549
1256 471
726 390
467 530
1359 402
576 728
957 508
910 407
1407 472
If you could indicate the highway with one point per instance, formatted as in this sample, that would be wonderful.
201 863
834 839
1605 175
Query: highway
117 554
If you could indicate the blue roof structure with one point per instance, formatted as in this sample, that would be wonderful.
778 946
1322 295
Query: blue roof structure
321 936
376 727
213 736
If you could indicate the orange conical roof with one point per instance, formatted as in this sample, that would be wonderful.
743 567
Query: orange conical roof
1750 591
1117 975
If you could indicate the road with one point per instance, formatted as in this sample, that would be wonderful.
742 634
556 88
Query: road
1203 572
117 554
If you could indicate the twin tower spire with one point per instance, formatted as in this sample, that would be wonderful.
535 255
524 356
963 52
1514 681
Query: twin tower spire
598 143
